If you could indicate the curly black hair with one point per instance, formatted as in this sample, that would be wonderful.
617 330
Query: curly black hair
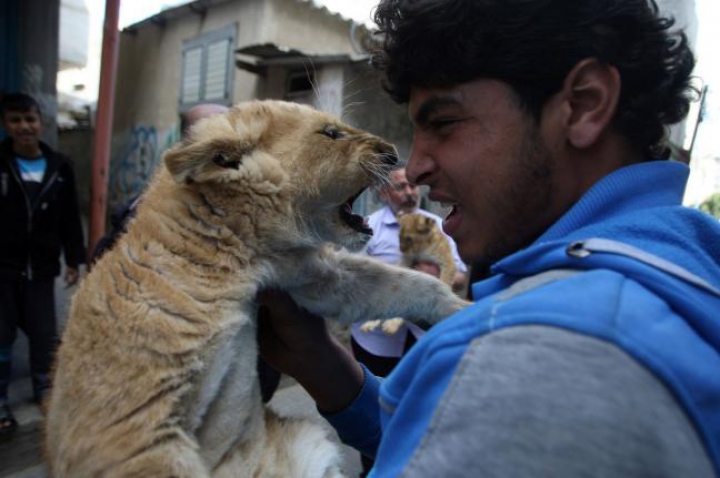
532 45
18 102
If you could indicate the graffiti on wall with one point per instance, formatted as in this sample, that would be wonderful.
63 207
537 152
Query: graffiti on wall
138 154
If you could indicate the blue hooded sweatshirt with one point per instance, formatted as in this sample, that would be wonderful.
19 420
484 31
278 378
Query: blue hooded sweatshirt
648 272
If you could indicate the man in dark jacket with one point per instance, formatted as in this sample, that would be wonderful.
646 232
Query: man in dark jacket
41 219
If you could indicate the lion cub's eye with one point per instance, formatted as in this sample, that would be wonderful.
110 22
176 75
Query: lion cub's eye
225 161
332 132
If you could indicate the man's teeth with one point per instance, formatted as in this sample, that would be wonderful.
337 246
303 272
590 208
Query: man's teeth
451 209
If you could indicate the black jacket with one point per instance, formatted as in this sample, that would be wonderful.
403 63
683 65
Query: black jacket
33 235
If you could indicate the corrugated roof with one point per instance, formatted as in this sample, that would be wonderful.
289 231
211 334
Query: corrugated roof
198 6
269 54
269 51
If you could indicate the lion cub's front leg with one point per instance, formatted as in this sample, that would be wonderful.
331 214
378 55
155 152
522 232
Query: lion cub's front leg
351 287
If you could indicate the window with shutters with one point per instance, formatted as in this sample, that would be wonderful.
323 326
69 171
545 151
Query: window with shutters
207 69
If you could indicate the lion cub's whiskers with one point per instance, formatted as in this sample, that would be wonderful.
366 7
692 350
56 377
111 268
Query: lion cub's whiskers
378 172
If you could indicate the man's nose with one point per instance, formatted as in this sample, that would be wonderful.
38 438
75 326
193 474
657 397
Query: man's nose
419 165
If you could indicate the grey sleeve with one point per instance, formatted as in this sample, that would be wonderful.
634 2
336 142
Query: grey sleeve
537 401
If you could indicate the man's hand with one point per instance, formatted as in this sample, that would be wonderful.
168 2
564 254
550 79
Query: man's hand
427 267
71 276
288 335
298 343
459 282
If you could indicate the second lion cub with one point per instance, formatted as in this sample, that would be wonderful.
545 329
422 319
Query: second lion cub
421 240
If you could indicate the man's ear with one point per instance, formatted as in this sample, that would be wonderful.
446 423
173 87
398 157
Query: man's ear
592 92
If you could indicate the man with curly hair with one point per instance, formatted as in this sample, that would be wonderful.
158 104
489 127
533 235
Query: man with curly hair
593 348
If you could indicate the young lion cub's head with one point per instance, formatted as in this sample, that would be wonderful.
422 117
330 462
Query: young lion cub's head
286 171
418 233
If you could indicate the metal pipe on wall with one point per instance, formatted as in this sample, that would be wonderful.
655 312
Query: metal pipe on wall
103 123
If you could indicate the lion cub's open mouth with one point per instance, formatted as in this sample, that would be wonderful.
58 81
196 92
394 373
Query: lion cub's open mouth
355 221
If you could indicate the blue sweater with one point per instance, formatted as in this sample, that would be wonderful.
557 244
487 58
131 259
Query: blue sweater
629 228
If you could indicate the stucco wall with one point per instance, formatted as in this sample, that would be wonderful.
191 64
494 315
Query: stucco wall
368 106
150 62
299 25
77 145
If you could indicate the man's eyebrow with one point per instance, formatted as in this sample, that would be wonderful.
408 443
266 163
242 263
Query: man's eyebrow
431 105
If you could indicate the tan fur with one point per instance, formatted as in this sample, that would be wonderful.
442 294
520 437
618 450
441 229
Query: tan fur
156 374
420 240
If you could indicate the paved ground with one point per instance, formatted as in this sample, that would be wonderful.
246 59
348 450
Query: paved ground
20 455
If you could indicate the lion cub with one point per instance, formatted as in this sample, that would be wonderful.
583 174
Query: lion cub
420 240
156 374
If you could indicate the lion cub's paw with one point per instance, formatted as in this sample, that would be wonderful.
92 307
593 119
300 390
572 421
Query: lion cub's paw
391 326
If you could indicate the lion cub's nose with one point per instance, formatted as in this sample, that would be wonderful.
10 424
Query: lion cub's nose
388 154
391 159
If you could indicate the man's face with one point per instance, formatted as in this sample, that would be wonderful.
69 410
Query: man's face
23 127
479 151
400 195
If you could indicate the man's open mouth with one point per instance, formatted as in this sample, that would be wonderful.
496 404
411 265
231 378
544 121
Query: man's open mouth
355 221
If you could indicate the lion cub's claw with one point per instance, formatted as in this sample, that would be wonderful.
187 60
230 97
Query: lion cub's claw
391 326
370 325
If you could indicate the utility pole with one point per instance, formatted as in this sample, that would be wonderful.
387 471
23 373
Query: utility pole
103 124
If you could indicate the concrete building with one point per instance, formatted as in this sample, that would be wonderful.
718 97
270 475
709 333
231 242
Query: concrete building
227 51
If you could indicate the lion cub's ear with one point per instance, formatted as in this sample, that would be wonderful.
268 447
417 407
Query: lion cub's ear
205 160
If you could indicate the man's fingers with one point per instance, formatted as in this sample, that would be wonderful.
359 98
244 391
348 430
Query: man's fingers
71 276
283 309
279 303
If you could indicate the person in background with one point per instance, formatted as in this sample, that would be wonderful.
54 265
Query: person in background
196 113
593 348
41 221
